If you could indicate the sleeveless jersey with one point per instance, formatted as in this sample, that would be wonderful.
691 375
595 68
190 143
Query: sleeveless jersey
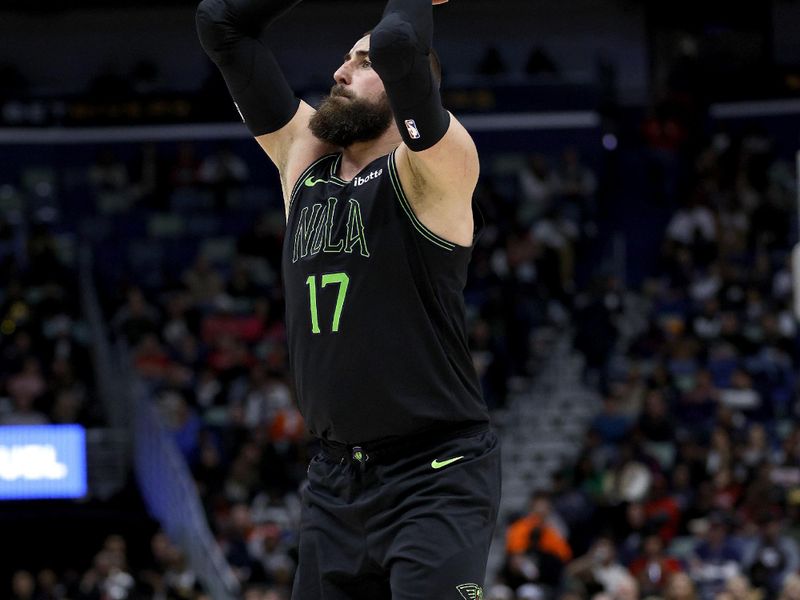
374 310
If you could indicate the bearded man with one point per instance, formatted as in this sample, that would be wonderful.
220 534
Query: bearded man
377 182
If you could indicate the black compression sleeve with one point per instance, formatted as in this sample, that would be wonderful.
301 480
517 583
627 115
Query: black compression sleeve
400 49
229 32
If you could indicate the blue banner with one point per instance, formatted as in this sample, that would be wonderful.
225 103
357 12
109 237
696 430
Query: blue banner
42 461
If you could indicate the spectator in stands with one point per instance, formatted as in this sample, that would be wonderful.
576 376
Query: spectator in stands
662 509
184 172
654 567
260 592
108 173
536 550
183 422
682 489
25 388
771 555
268 545
168 575
106 578
632 532
558 234
680 587
575 188
223 172
720 452
612 426
739 588
696 408
48 586
147 179
151 359
23 586
236 544
665 135
791 587
500 592
657 428
136 318
596 313
537 185
203 282
241 285
489 360
715 558
598 570
629 475
46 268
264 240
110 181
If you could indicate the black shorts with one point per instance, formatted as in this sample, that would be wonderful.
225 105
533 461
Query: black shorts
413 527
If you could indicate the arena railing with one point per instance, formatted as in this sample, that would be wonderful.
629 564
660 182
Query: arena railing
169 490
164 479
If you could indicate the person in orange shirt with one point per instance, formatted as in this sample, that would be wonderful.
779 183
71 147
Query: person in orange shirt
535 547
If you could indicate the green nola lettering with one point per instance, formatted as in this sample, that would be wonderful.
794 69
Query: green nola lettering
314 231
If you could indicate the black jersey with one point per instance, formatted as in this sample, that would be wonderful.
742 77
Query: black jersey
375 310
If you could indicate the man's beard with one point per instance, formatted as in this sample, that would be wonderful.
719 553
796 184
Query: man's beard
342 119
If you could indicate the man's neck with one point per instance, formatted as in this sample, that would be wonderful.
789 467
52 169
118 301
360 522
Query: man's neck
358 155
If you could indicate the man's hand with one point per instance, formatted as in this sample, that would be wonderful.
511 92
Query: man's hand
435 2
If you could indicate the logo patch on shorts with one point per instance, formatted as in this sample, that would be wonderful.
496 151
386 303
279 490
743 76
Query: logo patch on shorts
470 591
412 129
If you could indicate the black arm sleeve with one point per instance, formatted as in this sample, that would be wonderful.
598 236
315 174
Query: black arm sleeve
400 49
229 32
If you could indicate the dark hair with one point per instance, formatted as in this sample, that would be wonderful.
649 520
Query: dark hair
436 63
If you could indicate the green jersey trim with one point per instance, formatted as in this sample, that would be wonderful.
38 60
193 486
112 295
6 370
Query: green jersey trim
406 205
335 169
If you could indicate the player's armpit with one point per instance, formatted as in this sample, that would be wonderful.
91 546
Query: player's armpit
450 165
440 182
293 147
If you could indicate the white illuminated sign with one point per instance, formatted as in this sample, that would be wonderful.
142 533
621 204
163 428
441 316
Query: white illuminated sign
42 461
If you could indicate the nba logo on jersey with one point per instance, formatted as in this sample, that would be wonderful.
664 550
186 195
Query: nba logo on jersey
412 129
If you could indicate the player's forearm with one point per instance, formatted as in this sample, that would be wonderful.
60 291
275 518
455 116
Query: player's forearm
229 32
418 14
400 49
249 17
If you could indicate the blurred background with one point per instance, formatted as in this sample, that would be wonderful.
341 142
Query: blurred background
629 301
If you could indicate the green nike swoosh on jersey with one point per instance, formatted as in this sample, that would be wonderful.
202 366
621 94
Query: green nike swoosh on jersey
438 464
311 182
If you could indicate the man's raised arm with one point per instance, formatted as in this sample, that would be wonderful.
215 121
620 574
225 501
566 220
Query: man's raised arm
230 32
438 158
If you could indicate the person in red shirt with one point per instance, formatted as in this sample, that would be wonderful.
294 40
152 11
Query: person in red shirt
663 509
653 568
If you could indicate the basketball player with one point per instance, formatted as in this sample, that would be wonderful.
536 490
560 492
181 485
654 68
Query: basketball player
377 182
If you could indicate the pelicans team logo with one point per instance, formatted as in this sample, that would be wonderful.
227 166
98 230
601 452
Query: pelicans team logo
470 591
